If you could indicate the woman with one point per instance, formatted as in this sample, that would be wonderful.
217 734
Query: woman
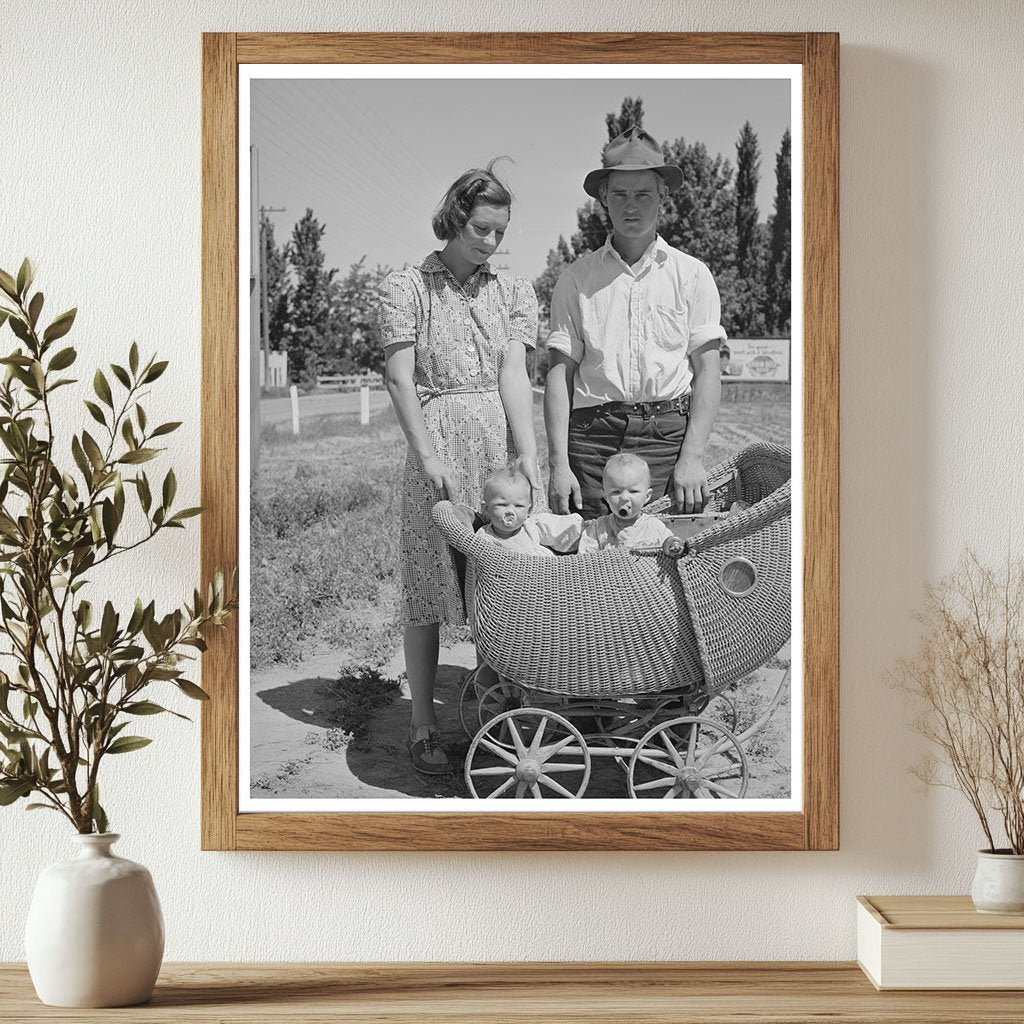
455 334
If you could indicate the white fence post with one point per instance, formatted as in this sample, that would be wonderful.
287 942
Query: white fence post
295 408
364 405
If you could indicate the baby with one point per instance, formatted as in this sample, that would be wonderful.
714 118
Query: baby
506 505
627 488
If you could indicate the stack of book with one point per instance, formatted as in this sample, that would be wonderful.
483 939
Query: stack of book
938 942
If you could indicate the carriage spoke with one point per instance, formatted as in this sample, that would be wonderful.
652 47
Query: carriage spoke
670 747
556 786
516 738
560 767
501 789
535 790
538 736
662 766
671 793
501 769
691 744
498 751
657 783
716 789
728 772
520 789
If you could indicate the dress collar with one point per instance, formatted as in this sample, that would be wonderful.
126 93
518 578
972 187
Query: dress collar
433 264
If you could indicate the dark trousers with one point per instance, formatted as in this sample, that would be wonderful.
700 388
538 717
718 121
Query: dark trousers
596 434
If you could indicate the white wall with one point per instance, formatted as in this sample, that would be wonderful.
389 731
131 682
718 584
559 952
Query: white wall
100 183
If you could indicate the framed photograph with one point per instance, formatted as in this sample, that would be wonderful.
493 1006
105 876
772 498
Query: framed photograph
520 420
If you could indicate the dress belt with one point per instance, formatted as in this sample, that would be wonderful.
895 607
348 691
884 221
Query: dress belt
427 394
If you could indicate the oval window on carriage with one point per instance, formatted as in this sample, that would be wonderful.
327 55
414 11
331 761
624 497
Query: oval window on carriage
738 577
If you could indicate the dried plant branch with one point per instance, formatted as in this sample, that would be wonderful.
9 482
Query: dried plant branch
966 682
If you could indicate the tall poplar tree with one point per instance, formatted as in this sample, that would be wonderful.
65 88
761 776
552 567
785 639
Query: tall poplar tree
749 301
778 312
311 301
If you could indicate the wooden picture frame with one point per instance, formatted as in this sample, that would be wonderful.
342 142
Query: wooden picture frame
816 826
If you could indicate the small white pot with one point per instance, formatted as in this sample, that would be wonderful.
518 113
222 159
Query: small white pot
999 882
95 933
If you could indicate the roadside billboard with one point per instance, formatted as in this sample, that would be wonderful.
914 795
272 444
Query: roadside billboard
758 359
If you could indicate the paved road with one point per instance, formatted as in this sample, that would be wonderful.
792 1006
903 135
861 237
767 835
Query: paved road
332 403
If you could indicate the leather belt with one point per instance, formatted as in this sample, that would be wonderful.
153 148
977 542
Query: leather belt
644 409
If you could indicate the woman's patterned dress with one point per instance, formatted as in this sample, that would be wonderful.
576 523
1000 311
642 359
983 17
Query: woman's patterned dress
462 334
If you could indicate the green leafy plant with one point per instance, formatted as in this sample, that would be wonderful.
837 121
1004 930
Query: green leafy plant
81 674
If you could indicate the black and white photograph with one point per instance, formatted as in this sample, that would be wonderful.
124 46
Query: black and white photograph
520 378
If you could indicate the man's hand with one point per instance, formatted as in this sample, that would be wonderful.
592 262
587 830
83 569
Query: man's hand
562 486
690 484
440 476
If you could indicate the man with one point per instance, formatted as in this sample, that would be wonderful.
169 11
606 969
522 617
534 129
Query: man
635 332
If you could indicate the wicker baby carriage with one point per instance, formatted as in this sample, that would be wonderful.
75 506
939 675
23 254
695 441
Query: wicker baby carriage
618 653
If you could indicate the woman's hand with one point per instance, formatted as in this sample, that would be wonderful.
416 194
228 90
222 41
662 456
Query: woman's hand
440 476
528 464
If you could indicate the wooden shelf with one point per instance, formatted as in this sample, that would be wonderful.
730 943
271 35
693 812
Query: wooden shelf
613 993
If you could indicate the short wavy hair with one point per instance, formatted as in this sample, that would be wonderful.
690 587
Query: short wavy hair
508 476
478 185
627 462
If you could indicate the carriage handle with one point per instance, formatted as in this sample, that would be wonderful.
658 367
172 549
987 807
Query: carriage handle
460 535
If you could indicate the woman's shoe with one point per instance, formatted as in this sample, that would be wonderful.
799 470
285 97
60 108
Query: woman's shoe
424 746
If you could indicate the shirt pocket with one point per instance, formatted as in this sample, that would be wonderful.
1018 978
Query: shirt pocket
668 327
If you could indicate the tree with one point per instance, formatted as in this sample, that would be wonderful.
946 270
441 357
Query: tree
631 115
748 164
279 289
748 314
699 217
311 300
593 228
777 285
558 259
356 339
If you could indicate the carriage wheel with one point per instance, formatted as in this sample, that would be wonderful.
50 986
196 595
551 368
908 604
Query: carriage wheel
495 701
469 702
545 756
686 759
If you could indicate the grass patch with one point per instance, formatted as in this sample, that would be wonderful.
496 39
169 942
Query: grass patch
354 698
324 525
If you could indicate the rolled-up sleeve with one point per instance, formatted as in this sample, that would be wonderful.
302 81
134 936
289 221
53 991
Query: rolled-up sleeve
566 334
705 312
524 315
396 310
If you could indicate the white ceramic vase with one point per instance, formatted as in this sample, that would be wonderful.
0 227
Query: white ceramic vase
95 933
999 882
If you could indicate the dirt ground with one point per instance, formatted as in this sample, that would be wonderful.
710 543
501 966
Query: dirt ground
298 752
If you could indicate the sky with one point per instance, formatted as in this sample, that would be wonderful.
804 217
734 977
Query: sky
373 157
